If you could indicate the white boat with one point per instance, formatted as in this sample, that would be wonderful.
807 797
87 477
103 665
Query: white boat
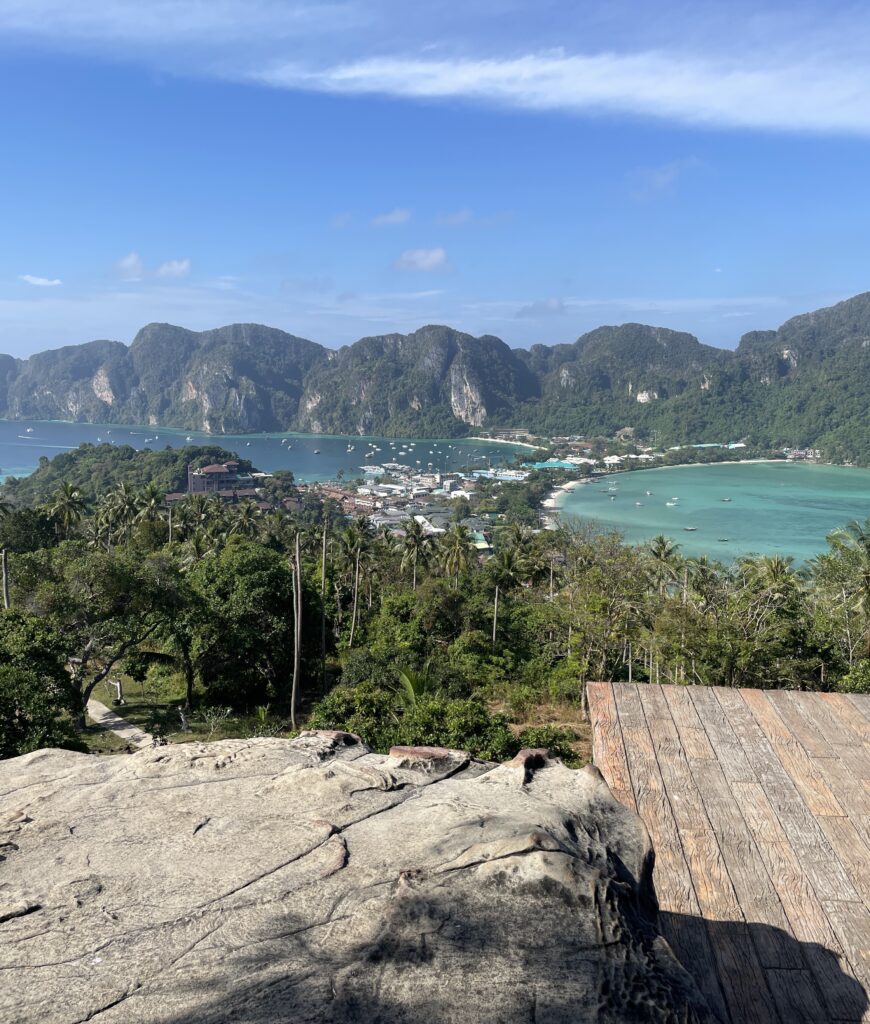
316 451
29 430
639 504
670 504
188 438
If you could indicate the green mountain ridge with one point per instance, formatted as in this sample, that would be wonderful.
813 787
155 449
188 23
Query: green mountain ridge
807 383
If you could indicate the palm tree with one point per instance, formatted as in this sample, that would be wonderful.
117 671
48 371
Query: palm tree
508 569
457 552
352 541
68 507
414 546
414 685
245 519
150 501
663 555
123 506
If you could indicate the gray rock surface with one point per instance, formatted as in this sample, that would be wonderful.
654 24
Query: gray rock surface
310 880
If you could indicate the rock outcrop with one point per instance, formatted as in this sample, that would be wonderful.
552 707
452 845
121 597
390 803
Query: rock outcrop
267 880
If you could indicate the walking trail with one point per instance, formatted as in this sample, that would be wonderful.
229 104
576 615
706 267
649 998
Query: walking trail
107 719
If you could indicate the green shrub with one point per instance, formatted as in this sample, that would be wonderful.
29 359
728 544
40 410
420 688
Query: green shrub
857 680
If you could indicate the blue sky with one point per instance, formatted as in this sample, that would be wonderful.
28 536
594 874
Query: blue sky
530 170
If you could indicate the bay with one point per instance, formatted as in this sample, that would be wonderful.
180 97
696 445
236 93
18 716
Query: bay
730 509
310 456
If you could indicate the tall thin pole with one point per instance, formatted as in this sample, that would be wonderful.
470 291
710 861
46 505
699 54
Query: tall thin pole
323 606
5 570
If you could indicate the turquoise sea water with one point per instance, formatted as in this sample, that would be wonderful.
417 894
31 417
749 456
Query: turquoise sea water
774 508
309 456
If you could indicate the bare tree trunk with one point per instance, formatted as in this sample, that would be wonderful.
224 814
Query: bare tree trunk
4 567
297 629
355 599
323 609
495 616
170 524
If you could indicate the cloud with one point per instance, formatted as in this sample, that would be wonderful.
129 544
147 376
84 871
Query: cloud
651 182
422 259
800 92
542 307
397 216
455 219
40 282
174 268
130 267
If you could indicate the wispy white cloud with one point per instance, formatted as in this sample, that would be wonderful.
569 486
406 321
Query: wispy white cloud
455 219
542 308
40 282
651 182
130 267
422 259
173 268
397 216
797 93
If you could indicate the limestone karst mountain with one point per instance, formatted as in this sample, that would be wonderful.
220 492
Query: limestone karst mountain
804 384
309 880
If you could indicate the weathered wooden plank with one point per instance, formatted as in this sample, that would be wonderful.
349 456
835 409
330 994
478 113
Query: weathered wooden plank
723 739
851 924
687 937
653 700
823 719
744 983
852 852
755 890
692 733
861 702
792 755
800 721
796 996
839 772
608 750
686 804
712 883
847 712
674 883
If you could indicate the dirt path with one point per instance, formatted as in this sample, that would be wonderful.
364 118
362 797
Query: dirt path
107 719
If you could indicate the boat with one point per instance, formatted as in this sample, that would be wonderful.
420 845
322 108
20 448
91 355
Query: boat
638 504
726 499
316 451
188 438
690 529
670 504
613 497
724 540
29 430
649 494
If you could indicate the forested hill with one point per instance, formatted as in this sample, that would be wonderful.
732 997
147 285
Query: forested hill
807 383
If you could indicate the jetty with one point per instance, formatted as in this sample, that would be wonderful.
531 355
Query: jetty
758 806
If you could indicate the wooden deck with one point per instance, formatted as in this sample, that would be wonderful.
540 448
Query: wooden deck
758 804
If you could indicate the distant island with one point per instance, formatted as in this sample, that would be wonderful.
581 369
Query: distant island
806 384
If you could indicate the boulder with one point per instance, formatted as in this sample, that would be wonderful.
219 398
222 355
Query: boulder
311 880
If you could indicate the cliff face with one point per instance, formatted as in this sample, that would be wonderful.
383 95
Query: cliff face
434 380
309 880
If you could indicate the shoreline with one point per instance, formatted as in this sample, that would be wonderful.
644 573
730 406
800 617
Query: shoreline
504 440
